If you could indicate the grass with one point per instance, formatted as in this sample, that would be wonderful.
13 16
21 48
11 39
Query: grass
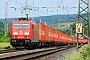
77 55
74 56
4 44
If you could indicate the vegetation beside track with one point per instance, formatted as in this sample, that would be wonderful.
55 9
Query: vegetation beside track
3 45
4 39
82 54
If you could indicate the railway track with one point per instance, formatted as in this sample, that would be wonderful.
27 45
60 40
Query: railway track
31 54
10 50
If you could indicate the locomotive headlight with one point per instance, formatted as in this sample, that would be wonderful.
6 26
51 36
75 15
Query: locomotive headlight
26 33
15 33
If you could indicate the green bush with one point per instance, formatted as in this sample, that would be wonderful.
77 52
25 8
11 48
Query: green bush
5 39
85 52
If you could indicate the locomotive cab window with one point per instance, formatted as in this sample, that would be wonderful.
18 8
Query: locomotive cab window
25 26
17 25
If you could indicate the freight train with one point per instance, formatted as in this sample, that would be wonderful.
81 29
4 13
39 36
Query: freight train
26 34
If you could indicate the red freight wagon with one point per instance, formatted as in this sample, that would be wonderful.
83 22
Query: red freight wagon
63 36
84 40
39 30
69 39
59 34
47 35
43 32
80 40
66 38
55 35
50 34
75 40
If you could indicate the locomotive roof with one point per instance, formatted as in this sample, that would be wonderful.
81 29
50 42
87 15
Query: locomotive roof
22 18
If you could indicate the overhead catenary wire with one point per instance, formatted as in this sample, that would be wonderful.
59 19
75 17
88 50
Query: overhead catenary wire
34 8
17 2
54 2
58 3
44 7
63 8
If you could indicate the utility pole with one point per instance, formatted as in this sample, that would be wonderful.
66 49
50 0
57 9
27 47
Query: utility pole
22 13
83 31
71 32
6 19
33 19
40 20
78 21
45 23
88 21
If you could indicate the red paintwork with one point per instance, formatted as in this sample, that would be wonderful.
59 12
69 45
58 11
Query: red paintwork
53 34
43 32
59 34
21 32
69 39
63 37
83 40
50 34
40 30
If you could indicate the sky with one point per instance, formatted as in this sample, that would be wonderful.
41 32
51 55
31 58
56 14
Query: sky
53 7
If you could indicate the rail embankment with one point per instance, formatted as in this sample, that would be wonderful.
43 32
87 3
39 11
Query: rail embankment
82 54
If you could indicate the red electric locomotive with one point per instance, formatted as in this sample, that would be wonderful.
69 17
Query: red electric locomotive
21 32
